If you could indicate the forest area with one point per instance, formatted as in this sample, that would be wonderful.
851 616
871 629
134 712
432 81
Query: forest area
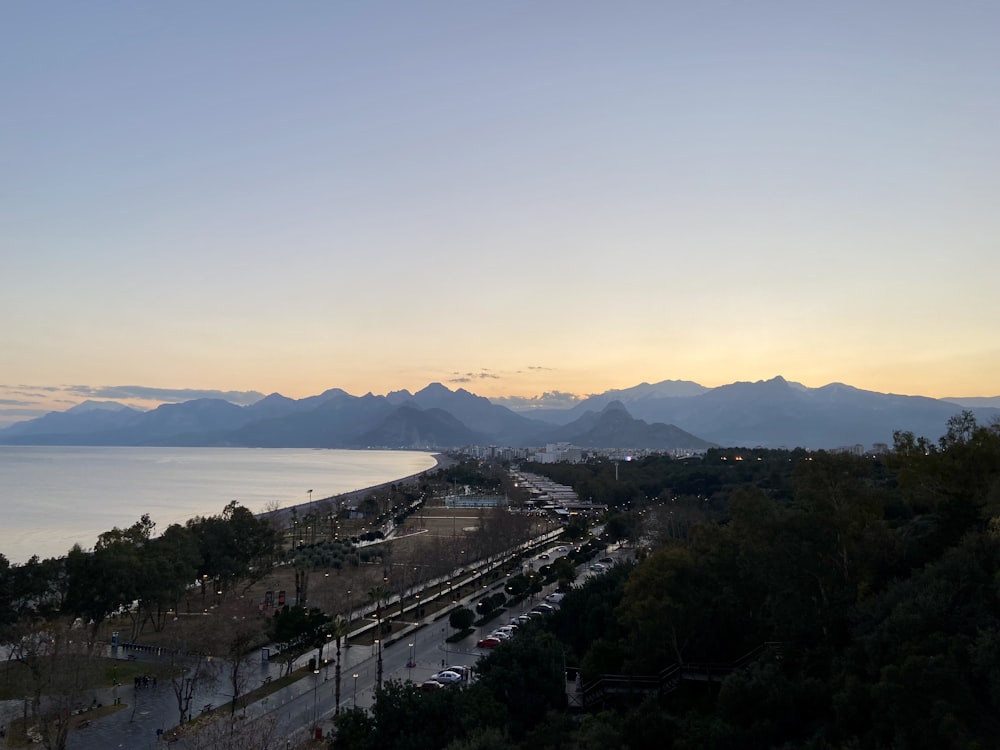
865 588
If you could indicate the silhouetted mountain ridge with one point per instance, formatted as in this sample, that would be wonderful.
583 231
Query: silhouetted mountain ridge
670 415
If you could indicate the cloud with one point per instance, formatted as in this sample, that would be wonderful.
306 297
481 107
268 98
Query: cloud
548 400
163 395
30 402
470 377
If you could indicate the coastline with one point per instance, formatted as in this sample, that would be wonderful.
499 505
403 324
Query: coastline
280 515
56 497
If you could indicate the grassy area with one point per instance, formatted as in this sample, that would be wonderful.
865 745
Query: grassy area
89 672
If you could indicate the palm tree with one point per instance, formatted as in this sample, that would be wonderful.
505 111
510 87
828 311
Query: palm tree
339 628
378 595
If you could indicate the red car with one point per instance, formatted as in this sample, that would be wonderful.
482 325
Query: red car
489 642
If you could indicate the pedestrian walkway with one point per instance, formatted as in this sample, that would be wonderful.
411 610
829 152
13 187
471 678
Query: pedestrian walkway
151 711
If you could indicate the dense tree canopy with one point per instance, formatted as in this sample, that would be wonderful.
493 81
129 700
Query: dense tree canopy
844 601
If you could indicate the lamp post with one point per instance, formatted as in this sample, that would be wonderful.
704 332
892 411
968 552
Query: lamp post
315 693
355 690
410 665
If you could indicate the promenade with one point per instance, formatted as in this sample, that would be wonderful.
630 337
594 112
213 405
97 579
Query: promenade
293 712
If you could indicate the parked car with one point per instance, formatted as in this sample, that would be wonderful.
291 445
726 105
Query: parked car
555 597
597 568
543 608
488 642
446 677
503 635
431 685
562 549
464 672
544 556
607 561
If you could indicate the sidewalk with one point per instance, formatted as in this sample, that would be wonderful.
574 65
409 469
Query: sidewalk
150 709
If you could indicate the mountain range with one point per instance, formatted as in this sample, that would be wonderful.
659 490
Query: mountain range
669 415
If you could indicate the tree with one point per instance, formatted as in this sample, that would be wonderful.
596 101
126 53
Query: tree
241 640
62 671
190 671
461 618
338 630
527 675
235 547
355 731
379 595
167 566
297 629
224 733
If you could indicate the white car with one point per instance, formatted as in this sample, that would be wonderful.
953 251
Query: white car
555 597
446 677
503 635
464 672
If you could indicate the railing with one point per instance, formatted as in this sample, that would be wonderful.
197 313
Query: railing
611 686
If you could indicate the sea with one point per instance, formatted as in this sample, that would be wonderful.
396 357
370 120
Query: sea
54 497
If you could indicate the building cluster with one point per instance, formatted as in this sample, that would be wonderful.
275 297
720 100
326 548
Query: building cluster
554 453
858 449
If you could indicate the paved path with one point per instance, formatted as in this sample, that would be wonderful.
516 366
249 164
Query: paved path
295 709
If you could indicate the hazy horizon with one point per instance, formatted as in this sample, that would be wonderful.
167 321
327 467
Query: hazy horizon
146 398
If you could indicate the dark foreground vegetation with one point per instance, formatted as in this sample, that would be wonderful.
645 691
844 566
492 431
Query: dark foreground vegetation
875 582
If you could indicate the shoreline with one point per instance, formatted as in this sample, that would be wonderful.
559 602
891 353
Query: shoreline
442 460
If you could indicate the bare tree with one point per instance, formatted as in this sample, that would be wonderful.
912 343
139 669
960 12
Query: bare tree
191 672
63 671
235 733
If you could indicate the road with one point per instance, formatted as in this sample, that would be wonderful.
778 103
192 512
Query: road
297 709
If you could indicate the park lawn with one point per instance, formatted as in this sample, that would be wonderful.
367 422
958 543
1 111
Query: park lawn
92 673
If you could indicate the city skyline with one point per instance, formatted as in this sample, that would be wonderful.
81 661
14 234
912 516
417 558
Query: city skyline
516 199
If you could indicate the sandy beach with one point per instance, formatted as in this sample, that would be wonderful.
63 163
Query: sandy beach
281 516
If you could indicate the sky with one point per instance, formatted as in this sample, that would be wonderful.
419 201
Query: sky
516 198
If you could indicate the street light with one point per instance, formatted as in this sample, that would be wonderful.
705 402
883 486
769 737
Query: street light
409 666
315 692
355 690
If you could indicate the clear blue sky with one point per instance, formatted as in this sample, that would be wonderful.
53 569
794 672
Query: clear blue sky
512 197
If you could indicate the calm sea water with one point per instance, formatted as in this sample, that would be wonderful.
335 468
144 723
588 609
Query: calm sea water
53 498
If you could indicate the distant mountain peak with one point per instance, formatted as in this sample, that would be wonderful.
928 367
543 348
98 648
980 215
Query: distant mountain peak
90 405
614 406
